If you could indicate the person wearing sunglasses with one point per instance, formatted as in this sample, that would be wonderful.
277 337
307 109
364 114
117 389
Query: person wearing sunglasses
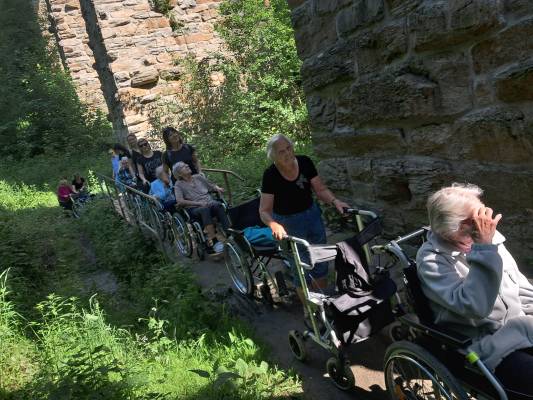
474 285
147 163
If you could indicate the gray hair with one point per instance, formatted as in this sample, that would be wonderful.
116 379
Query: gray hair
273 140
177 167
451 205
159 170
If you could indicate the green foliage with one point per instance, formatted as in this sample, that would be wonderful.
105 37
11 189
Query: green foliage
233 101
57 342
161 6
39 108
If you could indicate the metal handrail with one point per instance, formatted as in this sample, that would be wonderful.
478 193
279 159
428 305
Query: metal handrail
225 174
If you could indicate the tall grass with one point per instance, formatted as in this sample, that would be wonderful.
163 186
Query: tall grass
156 336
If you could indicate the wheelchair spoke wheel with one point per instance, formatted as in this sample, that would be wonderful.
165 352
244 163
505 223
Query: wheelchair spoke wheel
238 267
412 373
182 236
297 345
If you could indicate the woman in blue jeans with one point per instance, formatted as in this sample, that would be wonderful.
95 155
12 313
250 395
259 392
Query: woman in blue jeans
287 204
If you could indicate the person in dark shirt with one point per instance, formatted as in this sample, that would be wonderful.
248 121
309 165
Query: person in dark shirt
287 204
147 163
79 183
177 150
134 151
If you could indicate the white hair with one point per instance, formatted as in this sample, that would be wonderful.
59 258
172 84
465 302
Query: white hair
177 167
159 170
451 205
273 140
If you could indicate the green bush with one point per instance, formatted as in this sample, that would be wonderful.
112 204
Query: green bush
257 91
39 108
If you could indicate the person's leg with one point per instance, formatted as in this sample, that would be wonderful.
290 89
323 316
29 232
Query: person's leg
217 210
316 234
514 372
204 214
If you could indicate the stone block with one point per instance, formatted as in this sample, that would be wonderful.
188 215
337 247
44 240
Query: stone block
312 34
321 112
378 47
388 97
361 13
516 83
513 44
72 6
429 140
328 66
145 76
518 8
428 24
494 134
330 6
475 17
346 142
402 7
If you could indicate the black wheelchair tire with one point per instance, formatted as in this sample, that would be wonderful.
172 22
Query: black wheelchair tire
422 359
340 373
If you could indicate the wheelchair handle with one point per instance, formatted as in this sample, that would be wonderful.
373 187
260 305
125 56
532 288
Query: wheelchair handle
356 211
296 240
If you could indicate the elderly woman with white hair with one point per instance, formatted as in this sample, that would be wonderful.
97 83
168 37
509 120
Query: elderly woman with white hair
162 190
287 204
474 284
192 191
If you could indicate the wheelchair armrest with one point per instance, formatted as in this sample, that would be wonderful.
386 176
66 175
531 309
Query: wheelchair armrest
441 334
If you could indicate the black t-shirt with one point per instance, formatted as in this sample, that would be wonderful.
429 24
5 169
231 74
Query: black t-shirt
135 156
171 157
290 197
149 164
78 185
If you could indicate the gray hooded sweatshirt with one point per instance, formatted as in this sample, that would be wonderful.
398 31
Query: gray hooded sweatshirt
481 294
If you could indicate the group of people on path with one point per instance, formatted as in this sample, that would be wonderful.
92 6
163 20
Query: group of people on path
67 192
472 282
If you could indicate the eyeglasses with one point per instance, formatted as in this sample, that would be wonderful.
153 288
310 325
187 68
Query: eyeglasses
144 144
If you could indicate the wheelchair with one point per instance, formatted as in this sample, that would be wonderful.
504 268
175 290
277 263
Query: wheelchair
247 263
189 232
426 361
430 360
334 326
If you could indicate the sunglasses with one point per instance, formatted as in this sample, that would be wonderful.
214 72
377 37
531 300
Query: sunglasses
144 144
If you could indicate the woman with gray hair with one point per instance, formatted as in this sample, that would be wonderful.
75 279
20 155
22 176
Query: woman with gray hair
474 284
192 191
287 204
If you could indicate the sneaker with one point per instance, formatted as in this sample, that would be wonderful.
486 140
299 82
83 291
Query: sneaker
218 247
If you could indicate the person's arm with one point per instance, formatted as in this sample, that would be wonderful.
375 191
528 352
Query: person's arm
140 168
266 207
195 160
325 195
131 168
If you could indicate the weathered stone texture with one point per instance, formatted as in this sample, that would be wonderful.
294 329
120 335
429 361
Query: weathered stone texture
137 48
406 96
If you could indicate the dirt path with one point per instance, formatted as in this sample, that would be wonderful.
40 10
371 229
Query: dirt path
273 325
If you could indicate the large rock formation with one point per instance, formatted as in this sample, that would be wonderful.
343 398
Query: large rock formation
406 96
121 53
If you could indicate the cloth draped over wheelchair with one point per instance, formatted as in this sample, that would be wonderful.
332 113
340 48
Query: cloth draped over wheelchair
361 305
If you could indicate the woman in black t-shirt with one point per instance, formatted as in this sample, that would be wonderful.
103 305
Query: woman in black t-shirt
287 204
148 161
176 151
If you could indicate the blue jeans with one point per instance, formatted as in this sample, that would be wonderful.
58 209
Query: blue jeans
306 225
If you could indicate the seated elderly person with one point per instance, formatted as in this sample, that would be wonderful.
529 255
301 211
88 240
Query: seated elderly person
474 285
192 191
162 190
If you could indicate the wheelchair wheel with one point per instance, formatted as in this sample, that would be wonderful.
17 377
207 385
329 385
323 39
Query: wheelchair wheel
411 372
297 345
182 236
238 267
340 373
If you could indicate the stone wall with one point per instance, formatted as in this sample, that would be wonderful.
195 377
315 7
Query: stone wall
406 96
121 53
